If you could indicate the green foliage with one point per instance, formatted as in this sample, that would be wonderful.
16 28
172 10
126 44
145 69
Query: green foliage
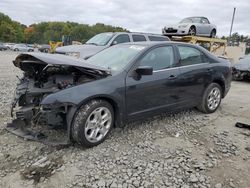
236 38
11 31
53 31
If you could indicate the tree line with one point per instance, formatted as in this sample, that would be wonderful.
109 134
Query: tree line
42 33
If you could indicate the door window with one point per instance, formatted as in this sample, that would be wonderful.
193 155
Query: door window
191 56
138 38
156 38
205 21
159 58
122 38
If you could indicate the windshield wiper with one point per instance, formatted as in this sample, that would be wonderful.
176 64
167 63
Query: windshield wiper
92 43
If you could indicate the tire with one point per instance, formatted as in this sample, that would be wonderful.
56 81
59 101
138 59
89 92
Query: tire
192 31
213 93
86 128
213 33
16 49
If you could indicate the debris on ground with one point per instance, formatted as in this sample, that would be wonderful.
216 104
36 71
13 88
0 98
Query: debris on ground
242 125
41 169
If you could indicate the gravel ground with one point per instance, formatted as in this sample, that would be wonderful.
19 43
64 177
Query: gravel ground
182 150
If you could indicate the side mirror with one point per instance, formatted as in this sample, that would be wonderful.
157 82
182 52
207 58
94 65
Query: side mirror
114 43
144 70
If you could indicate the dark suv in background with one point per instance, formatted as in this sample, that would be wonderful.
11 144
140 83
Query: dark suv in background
105 40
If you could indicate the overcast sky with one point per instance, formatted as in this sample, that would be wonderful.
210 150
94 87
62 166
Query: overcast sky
134 15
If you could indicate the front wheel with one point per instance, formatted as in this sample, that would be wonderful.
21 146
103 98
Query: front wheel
192 31
211 99
92 123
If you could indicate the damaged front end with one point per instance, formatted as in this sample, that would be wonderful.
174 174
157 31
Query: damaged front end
44 75
241 74
241 71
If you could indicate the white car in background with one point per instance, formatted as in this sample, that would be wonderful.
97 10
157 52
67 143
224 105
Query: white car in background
196 26
22 48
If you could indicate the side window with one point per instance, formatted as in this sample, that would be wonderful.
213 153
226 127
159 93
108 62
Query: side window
159 58
138 38
155 38
122 38
191 56
205 21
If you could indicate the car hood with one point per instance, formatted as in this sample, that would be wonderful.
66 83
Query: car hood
244 64
177 25
55 59
85 50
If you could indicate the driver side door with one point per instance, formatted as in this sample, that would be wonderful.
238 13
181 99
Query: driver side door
156 92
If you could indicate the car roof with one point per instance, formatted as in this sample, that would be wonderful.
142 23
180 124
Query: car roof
196 17
152 43
138 33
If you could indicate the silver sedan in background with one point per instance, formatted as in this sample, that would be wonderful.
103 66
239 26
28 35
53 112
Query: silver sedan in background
22 47
196 26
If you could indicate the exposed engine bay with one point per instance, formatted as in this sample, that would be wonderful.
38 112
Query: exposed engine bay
241 70
39 80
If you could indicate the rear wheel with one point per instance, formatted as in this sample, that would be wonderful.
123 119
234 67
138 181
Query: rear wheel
211 98
16 49
213 33
192 31
92 123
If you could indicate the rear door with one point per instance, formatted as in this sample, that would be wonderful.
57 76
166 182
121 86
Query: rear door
138 38
196 73
153 92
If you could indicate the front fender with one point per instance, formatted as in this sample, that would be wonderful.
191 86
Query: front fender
111 88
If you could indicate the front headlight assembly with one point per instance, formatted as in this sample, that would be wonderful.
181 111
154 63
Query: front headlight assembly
183 26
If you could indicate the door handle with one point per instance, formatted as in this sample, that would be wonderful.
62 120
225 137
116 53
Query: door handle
209 70
172 77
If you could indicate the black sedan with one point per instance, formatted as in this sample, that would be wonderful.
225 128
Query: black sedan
117 85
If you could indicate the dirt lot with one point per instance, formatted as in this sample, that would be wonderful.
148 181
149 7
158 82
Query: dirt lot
186 149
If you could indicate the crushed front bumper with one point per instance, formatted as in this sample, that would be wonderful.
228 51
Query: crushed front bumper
240 74
44 123
46 126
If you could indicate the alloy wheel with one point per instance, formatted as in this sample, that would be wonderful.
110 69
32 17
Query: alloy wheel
98 124
192 31
213 99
